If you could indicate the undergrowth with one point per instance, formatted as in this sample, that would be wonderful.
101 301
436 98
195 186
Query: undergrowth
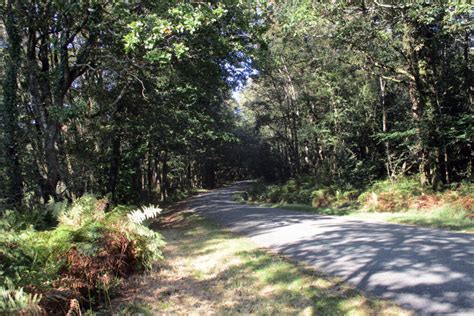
404 199
64 258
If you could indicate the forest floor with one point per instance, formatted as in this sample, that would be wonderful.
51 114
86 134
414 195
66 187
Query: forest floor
209 270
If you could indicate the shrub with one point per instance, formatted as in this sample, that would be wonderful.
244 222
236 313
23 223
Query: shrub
240 196
322 197
83 259
18 302
257 191
84 209
304 190
274 194
388 196
351 195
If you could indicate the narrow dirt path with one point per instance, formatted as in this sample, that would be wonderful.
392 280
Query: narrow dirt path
429 271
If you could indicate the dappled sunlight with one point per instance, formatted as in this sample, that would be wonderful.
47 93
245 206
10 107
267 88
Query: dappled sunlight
210 271
120 120
397 262
436 218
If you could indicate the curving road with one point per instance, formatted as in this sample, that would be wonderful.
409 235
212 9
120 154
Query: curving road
427 270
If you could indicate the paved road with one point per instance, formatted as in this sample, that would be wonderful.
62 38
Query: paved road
429 271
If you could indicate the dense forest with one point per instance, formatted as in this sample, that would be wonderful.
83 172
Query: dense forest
367 91
118 98
138 102
134 99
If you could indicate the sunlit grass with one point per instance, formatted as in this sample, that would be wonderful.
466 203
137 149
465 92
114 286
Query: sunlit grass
402 201
443 217
212 271
308 208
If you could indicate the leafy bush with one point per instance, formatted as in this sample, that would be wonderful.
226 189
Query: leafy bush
83 258
388 196
18 302
83 210
322 197
305 191
39 217
382 196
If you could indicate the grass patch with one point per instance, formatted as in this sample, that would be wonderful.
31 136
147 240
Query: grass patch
443 217
401 202
307 208
446 217
211 271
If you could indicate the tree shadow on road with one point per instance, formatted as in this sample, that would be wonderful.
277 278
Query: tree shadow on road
424 269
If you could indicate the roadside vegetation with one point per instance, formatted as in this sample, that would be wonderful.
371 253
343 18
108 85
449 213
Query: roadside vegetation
401 201
66 258
366 105
208 270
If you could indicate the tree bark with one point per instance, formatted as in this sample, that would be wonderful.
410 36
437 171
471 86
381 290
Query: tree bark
10 112
388 163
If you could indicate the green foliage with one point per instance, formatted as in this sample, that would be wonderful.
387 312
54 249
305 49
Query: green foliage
39 259
465 188
18 302
322 197
353 92
303 191
142 91
82 210
391 196
134 308
447 216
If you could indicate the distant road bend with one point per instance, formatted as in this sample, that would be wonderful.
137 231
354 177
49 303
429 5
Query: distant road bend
427 270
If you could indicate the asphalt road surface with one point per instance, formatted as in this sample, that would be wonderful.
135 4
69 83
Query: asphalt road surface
430 271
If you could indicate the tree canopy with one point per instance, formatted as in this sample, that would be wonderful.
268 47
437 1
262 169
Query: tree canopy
357 91
126 98
135 100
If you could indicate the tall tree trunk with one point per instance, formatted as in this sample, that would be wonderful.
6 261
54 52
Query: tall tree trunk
469 86
42 101
209 180
388 163
10 111
114 166
189 173
164 182
417 110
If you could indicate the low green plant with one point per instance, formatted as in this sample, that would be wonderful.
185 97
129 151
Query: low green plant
322 197
18 302
82 210
85 251
391 196
135 309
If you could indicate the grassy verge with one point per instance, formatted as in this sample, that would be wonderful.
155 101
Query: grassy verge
401 202
443 217
211 271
